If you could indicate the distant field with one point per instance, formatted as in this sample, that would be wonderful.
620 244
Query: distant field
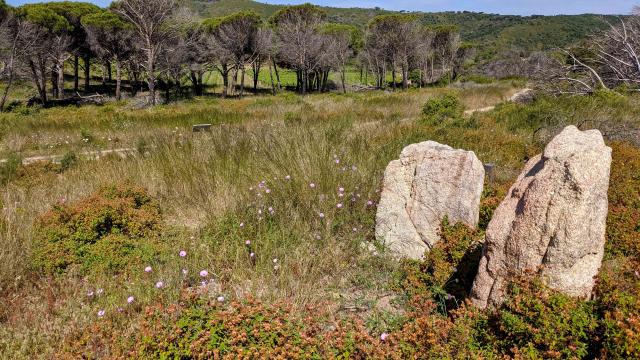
58 130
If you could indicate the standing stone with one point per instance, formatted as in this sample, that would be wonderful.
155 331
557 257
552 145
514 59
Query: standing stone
552 220
428 182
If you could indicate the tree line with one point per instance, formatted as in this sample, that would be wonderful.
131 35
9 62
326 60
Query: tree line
148 43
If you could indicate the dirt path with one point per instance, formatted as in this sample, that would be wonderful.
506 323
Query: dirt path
489 108
466 113
124 152
97 154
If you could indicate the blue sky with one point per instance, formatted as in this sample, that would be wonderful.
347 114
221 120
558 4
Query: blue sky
519 7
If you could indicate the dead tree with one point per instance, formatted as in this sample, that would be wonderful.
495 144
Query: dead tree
297 27
152 20
236 35
607 60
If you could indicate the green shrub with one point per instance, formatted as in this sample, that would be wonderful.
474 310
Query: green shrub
538 323
441 108
292 118
476 78
87 137
113 229
24 109
447 272
491 198
9 168
68 160
611 98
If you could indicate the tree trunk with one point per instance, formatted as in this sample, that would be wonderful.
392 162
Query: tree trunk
225 81
104 78
54 82
87 73
273 85
135 83
167 92
432 61
178 87
76 76
43 80
10 68
303 78
257 65
242 72
442 67
325 80
405 75
61 80
196 81
39 79
344 80
275 68
118 80
383 78
366 76
393 76
151 76
234 80
109 70
6 89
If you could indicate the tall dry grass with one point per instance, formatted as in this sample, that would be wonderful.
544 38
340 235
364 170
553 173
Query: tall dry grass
210 183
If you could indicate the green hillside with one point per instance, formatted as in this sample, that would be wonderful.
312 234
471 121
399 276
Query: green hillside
354 16
494 33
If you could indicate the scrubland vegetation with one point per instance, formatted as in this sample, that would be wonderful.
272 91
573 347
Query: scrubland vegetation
126 234
258 236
